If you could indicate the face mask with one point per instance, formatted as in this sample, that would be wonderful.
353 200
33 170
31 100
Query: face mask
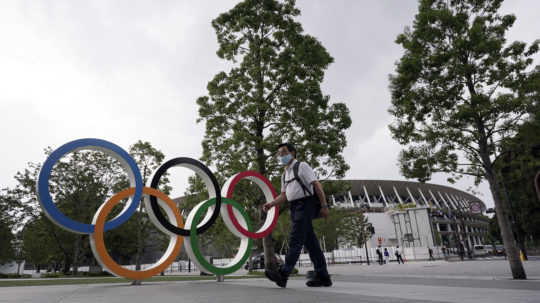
285 159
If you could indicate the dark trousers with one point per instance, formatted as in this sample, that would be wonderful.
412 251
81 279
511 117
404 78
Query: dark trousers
399 258
302 234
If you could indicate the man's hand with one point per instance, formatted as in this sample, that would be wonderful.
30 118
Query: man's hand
267 206
277 201
325 212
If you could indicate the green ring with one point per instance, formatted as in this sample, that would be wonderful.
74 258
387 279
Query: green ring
195 242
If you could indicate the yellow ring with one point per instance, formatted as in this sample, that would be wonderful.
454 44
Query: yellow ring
98 245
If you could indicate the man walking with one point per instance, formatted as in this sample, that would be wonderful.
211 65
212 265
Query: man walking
461 251
444 253
398 255
301 188
379 255
430 251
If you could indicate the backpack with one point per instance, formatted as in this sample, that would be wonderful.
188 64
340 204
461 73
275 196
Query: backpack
314 197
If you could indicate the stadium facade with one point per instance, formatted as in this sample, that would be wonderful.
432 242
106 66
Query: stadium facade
413 214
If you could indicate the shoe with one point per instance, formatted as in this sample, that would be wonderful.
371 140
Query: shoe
318 281
276 276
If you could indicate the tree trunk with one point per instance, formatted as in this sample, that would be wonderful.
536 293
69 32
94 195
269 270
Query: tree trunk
537 184
139 253
76 254
268 244
67 265
518 272
269 256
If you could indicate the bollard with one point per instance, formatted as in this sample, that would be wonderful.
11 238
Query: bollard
220 278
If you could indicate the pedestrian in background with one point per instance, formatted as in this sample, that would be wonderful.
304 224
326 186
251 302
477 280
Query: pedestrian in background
386 256
430 251
444 252
379 255
461 251
398 255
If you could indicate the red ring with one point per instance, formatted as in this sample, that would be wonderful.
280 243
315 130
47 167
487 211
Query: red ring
245 232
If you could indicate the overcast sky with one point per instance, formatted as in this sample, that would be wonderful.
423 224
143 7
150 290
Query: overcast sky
129 70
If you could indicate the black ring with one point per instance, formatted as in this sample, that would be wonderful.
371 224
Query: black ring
153 201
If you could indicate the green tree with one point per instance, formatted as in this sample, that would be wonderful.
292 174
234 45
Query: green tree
331 228
6 247
7 252
457 90
342 227
270 95
44 243
494 232
521 162
354 228
537 184
79 183
148 159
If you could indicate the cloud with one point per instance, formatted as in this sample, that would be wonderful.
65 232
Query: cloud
126 70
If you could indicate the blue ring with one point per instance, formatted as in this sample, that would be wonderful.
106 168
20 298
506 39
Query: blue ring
58 217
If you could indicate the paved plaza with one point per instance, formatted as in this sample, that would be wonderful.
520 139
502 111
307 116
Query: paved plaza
439 281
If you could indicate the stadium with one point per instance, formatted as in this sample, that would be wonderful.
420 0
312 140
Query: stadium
413 214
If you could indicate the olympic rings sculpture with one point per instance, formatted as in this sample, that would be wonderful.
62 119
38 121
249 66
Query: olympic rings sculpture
199 220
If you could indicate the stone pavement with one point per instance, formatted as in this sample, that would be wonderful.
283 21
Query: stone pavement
439 281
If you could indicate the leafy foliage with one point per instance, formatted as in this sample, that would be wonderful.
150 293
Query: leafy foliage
521 163
345 227
80 182
458 90
148 160
270 95
7 252
342 228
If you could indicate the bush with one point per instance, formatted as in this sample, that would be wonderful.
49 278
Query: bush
52 275
99 274
79 274
14 276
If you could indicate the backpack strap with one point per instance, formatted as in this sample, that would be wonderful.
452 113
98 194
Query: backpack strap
297 178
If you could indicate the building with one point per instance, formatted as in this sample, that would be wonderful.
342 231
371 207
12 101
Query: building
413 214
